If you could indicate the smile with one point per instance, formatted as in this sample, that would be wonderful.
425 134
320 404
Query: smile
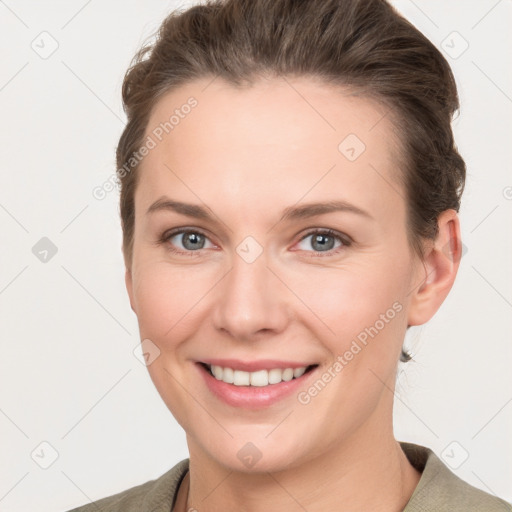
257 389
258 378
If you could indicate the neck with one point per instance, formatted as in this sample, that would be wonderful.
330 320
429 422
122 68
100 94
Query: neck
367 471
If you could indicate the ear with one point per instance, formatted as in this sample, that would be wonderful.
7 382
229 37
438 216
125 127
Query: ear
128 281
129 286
438 270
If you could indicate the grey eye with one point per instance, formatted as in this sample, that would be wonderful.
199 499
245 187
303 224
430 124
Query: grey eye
320 242
190 240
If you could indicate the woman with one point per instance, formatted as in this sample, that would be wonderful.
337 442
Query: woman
289 196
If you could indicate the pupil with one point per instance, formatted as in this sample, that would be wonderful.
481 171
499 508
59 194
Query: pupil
320 239
192 241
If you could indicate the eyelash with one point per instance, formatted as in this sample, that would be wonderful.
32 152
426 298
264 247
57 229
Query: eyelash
344 239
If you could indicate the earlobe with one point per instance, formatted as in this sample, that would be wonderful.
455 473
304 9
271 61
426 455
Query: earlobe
438 270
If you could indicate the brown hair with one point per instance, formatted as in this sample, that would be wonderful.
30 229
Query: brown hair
365 45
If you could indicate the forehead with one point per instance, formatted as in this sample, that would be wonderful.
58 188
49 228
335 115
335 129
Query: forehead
276 141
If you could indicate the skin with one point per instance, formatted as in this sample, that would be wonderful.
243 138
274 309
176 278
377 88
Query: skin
247 154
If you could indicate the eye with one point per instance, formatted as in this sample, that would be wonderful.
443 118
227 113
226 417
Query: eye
190 240
324 241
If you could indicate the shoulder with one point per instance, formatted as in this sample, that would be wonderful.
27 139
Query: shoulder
441 490
153 496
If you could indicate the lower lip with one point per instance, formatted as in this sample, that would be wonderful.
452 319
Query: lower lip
252 397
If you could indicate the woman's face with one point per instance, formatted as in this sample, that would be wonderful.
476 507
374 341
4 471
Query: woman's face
257 279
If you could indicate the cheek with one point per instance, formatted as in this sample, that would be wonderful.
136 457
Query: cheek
168 302
347 300
165 299
360 315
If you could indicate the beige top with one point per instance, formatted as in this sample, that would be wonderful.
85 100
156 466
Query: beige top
439 490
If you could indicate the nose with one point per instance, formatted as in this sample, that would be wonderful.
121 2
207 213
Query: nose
251 301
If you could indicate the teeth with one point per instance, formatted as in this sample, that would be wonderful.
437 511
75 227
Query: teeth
259 378
228 375
299 371
239 378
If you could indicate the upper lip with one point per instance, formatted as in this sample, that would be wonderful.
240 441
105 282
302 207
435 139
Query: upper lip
253 366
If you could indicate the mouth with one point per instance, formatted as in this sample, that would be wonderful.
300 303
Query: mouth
260 378
255 390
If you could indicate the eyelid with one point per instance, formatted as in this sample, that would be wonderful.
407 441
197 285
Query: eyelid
330 232
171 233
343 238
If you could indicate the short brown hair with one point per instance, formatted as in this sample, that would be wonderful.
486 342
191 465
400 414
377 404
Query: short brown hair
363 44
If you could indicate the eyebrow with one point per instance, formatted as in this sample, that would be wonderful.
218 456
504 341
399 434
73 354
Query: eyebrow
303 211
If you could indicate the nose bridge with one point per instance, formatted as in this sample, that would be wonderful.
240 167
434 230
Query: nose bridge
249 300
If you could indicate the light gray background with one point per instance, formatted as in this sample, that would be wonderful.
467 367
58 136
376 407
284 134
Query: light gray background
68 373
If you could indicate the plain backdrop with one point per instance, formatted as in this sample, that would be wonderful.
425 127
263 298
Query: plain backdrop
79 416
